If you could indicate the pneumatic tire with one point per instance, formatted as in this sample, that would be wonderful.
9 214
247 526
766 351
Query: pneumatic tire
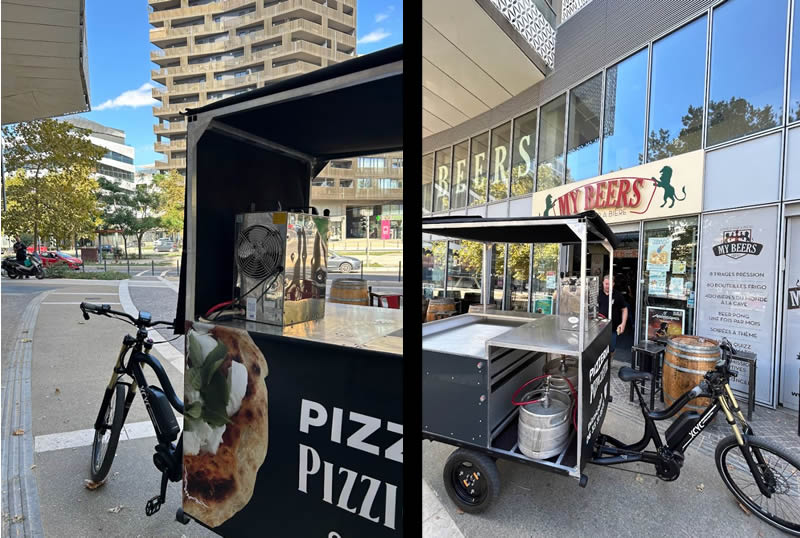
106 438
780 471
471 480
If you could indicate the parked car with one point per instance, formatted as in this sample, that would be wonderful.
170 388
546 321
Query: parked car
343 264
164 245
53 257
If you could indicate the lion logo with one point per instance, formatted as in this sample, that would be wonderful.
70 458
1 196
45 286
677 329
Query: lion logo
549 204
669 190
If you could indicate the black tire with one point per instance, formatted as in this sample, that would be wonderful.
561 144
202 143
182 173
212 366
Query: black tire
781 473
104 447
471 480
39 273
345 267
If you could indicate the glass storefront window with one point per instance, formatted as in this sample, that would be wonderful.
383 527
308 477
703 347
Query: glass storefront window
550 163
677 85
499 171
433 267
583 132
427 184
460 170
625 109
498 254
519 264
524 150
669 275
478 169
740 104
544 276
441 186
464 273
794 83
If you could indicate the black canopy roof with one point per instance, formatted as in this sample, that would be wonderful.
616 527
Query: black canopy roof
344 110
520 229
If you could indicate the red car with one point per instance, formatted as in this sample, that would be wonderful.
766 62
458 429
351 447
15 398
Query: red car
55 256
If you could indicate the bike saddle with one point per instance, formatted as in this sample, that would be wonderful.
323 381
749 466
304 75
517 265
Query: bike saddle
626 373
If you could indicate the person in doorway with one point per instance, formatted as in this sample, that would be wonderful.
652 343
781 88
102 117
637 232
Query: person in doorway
619 311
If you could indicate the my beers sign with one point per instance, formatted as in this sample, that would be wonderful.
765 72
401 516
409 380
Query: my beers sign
659 189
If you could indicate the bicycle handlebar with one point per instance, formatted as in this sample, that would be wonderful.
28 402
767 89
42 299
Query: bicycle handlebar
105 310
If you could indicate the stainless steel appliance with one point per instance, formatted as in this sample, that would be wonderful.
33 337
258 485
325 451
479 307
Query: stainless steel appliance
280 266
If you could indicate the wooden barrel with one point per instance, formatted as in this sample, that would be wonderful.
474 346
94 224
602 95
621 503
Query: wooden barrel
352 291
686 361
478 308
440 308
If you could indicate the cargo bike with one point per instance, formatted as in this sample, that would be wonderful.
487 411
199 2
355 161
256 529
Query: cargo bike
534 388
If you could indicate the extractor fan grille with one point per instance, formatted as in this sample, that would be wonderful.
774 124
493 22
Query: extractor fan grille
259 250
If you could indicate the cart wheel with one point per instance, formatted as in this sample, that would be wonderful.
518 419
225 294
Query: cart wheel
471 479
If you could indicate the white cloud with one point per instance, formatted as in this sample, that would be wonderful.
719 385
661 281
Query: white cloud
374 37
380 17
142 96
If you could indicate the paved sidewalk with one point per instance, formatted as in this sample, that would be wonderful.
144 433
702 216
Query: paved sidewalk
618 500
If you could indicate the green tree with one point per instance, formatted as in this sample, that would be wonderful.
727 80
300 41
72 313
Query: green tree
132 213
172 200
51 162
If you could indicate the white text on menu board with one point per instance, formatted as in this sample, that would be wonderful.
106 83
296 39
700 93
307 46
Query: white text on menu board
316 415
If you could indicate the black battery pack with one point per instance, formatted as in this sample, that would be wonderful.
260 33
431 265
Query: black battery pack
681 427
164 416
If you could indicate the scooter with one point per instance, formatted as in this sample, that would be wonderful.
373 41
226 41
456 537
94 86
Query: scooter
15 269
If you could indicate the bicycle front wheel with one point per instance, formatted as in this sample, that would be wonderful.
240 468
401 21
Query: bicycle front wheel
780 472
106 437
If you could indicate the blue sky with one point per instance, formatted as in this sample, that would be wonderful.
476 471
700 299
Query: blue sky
119 62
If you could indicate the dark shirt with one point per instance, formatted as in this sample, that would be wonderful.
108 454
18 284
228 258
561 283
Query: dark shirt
617 307
21 250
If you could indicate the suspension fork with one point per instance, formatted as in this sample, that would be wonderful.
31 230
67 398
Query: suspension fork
100 421
741 439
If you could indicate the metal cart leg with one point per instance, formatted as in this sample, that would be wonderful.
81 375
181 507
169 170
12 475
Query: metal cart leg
751 400
634 362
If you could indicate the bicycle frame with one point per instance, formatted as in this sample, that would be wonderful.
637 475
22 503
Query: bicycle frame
134 370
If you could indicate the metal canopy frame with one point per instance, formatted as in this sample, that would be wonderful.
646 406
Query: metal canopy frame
212 119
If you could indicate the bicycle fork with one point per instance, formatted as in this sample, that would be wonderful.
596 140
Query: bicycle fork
732 412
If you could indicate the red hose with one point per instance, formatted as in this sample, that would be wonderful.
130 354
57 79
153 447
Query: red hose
571 388
217 307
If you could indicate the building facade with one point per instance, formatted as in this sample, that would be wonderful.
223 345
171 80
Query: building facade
117 164
648 119
362 190
213 49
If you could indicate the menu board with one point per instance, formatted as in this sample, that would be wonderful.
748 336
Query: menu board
736 288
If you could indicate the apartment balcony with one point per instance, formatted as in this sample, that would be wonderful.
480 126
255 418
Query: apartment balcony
172 145
339 173
388 172
353 193
174 110
164 4
302 50
172 164
208 48
196 11
171 129
347 22
297 68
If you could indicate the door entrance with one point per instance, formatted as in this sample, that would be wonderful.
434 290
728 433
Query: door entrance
790 375
626 267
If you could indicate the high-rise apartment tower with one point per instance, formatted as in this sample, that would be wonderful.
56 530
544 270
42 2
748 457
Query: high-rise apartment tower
212 49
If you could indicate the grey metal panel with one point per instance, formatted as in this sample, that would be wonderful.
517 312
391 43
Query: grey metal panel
498 210
458 212
600 33
792 180
730 173
478 210
520 207
452 387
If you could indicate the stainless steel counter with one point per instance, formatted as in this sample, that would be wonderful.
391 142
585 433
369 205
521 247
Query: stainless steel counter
469 334
343 325
544 335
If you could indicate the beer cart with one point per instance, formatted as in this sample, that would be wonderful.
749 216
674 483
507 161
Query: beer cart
476 366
